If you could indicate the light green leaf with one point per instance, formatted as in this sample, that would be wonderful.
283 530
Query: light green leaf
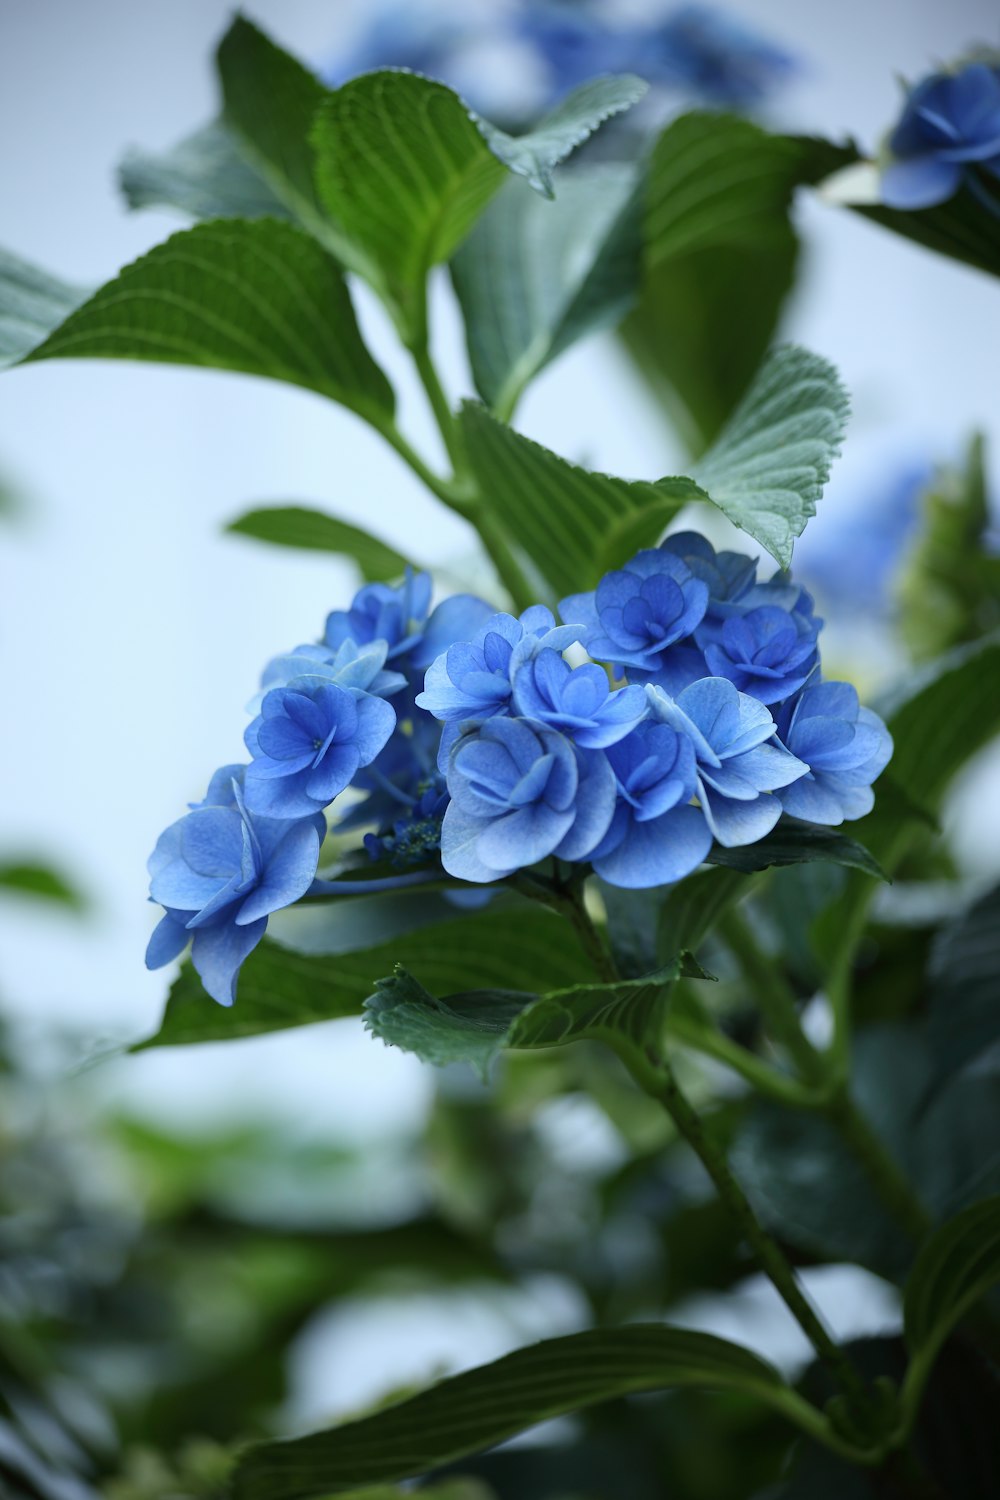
795 843
534 155
573 524
533 277
205 175
298 526
405 172
767 469
957 1266
28 878
280 989
237 294
484 1406
475 1026
32 303
719 260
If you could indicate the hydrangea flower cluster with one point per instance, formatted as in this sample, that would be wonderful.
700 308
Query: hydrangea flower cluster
680 702
949 129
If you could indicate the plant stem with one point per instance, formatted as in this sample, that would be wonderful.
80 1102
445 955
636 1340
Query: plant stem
773 994
440 405
656 1077
706 1038
454 495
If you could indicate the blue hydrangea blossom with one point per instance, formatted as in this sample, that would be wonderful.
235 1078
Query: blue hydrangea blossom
473 679
655 836
576 700
219 872
638 611
950 127
844 746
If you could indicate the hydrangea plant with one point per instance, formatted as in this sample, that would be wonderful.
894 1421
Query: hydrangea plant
547 812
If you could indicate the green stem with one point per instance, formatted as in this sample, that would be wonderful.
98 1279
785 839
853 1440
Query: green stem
707 1039
440 405
773 994
452 493
654 1074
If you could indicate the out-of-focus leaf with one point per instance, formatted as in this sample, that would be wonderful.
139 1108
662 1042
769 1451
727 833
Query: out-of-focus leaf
32 304
795 843
253 295
963 978
949 591
312 530
482 1407
719 260
534 277
205 175
279 988
957 1266
26 878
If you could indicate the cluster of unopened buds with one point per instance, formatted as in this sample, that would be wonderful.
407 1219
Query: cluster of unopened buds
680 703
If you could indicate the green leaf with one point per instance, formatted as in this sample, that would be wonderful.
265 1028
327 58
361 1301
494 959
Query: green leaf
405 172
475 1026
963 229
204 175
795 843
571 122
963 981
484 1406
573 524
26 878
280 988
957 1266
32 303
534 277
693 906
298 526
256 295
271 102
719 261
767 469
949 588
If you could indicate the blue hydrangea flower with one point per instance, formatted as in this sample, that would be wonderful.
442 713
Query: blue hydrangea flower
521 791
738 758
951 123
402 618
710 54
844 746
219 872
728 576
767 651
574 43
307 743
576 700
413 836
655 836
350 666
636 612
473 678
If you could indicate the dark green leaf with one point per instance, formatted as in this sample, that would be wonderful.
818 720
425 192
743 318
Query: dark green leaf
963 979
27 878
280 988
957 1266
474 1026
556 136
484 1406
297 526
534 277
962 229
693 906
767 468
204 175
720 257
573 524
32 303
404 171
252 295
795 843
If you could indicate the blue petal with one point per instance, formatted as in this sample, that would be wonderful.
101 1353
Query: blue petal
289 874
658 852
523 837
460 835
217 953
919 182
169 938
596 798
455 619
734 823
376 721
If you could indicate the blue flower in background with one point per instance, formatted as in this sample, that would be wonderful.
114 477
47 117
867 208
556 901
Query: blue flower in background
844 746
738 766
521 791
708 54
574 43
951 123
636 612
307 743
655 836
473 678
576 700
219 872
